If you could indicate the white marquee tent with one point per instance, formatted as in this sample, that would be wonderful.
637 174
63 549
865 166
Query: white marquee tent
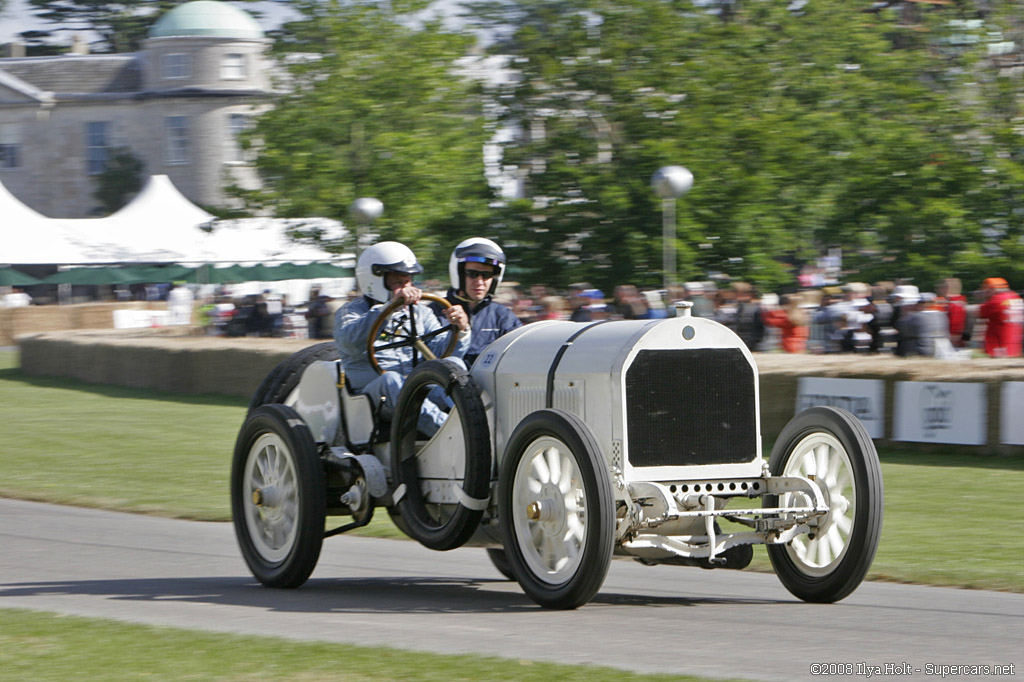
28 237
158 226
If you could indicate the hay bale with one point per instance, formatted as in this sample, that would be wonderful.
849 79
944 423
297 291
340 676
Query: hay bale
170 360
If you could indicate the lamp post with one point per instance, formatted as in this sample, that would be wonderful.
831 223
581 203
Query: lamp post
364 211
670 183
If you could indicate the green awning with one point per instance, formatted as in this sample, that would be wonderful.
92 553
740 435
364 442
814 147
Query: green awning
86 276
9 277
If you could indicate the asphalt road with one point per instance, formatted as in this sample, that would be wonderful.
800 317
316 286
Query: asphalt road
397 593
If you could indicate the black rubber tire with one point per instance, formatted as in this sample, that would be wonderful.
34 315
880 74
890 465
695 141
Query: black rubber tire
416 519
282 380
292 453
830 583
598 542
500 561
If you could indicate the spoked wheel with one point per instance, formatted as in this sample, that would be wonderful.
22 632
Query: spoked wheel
830 447
556 509
447 480
278 496
413 337
278 385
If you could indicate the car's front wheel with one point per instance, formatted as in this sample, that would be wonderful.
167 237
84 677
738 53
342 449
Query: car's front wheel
556 509
831 448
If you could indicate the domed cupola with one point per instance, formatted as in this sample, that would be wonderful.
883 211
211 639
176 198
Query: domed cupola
205 45
207 18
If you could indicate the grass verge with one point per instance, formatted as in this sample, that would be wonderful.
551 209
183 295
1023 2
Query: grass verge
39 647
950 519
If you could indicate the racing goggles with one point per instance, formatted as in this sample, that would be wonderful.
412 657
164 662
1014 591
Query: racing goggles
379 269
482 274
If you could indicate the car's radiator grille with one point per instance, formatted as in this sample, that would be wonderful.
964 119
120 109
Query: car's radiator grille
687 407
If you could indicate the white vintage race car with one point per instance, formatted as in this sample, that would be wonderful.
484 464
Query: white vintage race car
567 443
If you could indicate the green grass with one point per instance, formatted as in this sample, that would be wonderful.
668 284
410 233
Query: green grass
37 647
950 519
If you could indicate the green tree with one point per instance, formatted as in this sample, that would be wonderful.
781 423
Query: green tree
827 127
121 180
374 107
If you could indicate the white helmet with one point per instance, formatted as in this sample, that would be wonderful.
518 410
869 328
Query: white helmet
476 250
379 259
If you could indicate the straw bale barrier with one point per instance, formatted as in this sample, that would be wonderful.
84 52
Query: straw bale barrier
173 360
15 322
166 359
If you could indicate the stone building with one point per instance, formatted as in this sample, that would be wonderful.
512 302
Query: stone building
177 105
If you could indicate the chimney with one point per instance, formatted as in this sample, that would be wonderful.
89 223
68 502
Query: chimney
78 45
15 49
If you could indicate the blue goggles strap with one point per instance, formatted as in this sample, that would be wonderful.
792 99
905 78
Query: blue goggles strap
481 259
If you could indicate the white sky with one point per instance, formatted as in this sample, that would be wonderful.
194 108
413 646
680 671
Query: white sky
13 20
18 17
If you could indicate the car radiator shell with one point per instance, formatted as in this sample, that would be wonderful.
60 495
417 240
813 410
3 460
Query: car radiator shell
667 400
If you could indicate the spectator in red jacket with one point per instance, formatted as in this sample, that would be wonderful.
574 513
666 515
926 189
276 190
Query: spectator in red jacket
953 303
1004 312
793 320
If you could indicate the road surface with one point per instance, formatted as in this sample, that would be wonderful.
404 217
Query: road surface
391 592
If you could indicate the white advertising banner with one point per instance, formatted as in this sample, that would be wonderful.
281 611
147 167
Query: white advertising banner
864 398
940 412
1011 408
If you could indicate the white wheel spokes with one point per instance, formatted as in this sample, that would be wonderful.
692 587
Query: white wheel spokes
550 517
823 459
271 497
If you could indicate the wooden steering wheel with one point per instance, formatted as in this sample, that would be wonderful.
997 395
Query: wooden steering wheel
412 337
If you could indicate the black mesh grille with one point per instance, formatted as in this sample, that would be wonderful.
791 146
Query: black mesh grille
687 407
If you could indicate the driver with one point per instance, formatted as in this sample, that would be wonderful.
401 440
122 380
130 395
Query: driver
384 272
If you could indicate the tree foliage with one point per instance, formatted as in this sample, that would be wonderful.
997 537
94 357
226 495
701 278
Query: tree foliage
374 107
828 127
823 127
122 180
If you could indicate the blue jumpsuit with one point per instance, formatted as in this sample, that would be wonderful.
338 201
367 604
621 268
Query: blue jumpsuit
352 323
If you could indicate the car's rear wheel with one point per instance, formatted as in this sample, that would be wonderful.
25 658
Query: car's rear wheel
464 447
831 448
278 496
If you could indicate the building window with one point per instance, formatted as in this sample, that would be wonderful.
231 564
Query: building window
176 128
176 66
10 147
232 67
237 124
97 146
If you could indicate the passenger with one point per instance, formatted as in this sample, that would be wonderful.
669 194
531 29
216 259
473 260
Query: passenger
476 268
384 272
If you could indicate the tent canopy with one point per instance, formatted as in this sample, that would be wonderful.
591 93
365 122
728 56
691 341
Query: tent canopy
159 226
203 274
9 277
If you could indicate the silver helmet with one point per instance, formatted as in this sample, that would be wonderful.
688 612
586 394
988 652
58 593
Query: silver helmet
476 250
379 259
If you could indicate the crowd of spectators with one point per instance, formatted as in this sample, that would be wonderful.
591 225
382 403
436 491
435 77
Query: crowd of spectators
885 317
855 317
